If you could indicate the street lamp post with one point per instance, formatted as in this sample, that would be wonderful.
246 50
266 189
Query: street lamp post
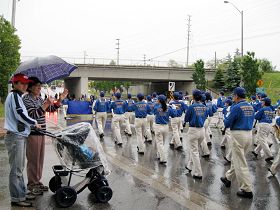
241 13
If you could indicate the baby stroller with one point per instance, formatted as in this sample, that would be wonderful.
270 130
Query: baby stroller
80 154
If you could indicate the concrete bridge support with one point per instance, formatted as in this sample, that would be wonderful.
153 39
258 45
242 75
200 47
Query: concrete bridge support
77 86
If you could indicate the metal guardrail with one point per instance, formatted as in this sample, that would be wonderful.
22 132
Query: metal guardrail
109 61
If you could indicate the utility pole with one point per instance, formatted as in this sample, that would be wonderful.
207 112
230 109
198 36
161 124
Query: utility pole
85 55
14 13
144 60
215 60
188 46
118 51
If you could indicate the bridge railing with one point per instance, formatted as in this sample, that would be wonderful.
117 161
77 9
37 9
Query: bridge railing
108 61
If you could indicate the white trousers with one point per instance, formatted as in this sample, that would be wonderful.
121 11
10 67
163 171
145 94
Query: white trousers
140 128
160 135
276 163
241 142
195 138
128 117
207 129
175 125
117 121
263 134
227 140
150 126
101 118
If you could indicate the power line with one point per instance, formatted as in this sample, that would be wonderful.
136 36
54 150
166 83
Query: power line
218 42
118 51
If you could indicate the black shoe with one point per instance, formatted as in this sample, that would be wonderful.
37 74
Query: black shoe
179 148
209 143
271 172
163 162
269 159
197 177
205 156
146 137
119 144
189 170
101 135
255 145
149 141
223 147
171 145
227 159
226 182
210 136
129 135
244 194
21 204
181 138
182 130
255 154
270 145
140 152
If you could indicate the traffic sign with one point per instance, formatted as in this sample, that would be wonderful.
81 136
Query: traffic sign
171 86
260 83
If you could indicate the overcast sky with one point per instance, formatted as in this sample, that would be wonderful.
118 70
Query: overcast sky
67 28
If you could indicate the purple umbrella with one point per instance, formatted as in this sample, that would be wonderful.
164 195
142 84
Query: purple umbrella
46 69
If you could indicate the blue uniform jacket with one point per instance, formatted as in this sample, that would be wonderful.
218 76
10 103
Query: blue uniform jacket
196 115
241 116
180 107
101 105
220 102
212 108
141 109
118 106
129 105
162 117
264 115
151 106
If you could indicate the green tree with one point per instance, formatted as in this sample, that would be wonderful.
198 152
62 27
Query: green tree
9 54
250 72
265 65
126 84
233 78
199 75
219 78
173 63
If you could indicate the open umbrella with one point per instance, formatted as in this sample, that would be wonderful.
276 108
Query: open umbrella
46 69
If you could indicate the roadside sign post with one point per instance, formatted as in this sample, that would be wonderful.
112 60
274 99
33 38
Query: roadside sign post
171 89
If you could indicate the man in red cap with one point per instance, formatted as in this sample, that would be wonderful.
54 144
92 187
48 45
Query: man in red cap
17 124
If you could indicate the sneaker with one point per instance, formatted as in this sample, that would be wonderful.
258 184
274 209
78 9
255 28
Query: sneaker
197 177
163 162
244 194
21 204
179 148
205 156
226 182
209 143
43 187
140 152
271 172
189 170
30 197
101 135
210 136
255 154
223 147
171 145
269 159
35 191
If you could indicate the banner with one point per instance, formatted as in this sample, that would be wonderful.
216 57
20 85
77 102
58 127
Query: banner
79 107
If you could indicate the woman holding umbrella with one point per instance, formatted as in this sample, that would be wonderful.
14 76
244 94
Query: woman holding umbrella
35 149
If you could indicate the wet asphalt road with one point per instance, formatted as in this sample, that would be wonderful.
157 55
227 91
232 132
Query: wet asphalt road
140 182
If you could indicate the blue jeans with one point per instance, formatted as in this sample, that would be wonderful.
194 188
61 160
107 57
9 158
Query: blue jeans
16 146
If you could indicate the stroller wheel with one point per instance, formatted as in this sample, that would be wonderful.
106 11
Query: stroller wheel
103 194
65 196
55 183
